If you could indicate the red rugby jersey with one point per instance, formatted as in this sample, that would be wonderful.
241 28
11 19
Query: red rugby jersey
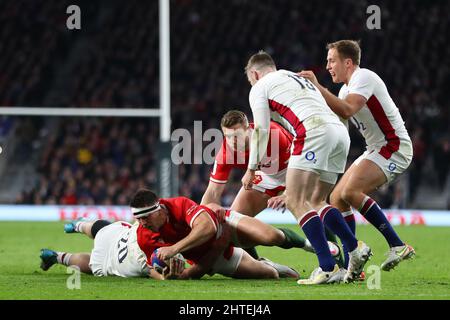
182 213
227 158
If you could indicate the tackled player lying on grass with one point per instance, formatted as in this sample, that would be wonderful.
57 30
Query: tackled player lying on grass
121 249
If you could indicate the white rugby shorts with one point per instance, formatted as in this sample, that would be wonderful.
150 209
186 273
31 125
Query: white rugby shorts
227 267
270 184
105 239
395 165
325 151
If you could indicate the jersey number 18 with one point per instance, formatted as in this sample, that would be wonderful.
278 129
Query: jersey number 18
303 82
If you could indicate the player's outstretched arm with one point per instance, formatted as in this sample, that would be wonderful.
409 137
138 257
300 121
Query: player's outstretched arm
207 261
203 229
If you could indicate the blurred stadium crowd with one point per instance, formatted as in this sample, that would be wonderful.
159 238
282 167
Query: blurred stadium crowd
113 62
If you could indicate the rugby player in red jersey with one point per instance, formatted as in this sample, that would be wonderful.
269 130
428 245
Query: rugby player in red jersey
179 225
267 188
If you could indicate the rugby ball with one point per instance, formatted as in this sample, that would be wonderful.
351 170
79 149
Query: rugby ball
159 264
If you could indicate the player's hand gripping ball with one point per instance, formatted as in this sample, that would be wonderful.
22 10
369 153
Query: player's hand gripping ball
159 264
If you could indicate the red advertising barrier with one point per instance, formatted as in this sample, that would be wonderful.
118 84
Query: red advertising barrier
94 213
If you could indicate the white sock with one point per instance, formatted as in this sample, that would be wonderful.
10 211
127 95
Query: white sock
347 213
63 258
79 226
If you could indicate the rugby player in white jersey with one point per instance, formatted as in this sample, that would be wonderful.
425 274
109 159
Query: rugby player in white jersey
318 155
122 249
116 251
365 100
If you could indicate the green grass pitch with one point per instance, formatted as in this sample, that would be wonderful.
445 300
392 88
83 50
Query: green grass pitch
425 277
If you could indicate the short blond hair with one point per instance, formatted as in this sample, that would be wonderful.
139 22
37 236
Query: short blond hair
347 49
260 60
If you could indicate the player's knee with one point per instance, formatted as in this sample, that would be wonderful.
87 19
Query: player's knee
335 198
349 195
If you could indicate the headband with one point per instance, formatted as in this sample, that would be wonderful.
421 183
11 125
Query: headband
143 212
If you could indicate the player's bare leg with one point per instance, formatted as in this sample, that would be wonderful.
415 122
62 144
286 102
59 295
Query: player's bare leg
80 226
80 260
249 268
89 228
252 232
319 201
299 192
365 178
320 193
362 180
250 203
346 210
335 196
358 252
298 200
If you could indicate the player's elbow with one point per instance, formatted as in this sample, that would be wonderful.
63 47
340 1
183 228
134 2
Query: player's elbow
343 109
346 114
204 228
351 105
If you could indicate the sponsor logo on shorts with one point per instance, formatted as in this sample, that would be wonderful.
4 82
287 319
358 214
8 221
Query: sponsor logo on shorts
310 155
392 166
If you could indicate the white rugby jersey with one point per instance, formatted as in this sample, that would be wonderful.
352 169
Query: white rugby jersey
379 120
125 258
293 101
